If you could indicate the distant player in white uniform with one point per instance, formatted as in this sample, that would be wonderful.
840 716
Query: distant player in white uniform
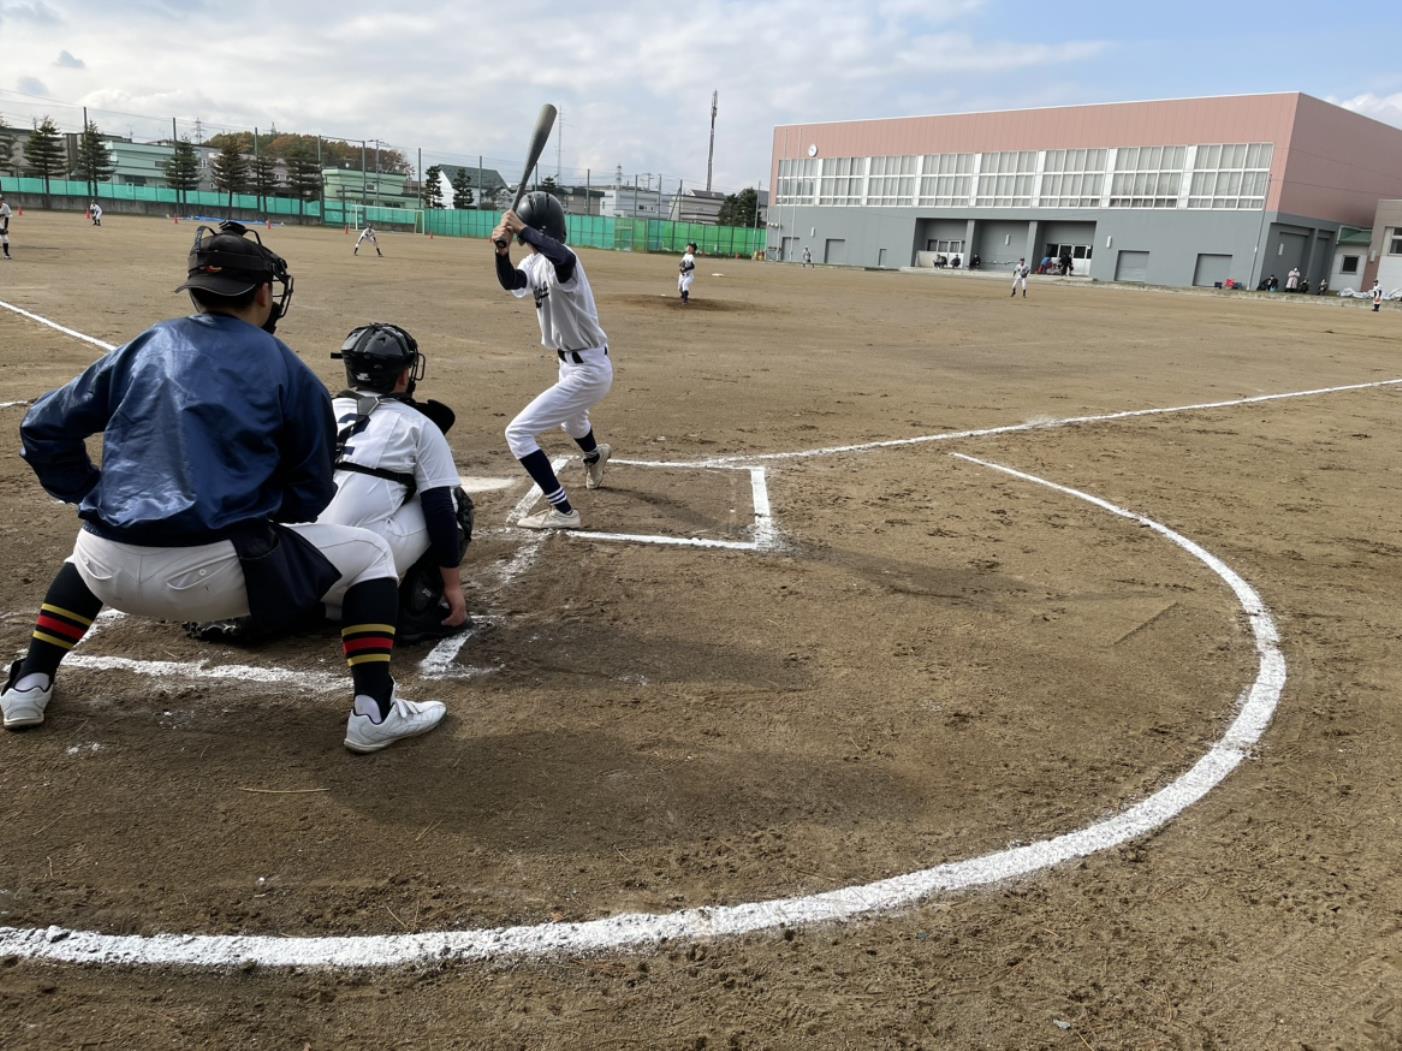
686 272
807 256
1377 293
368 234
95 213
569 325
1020 273
5 227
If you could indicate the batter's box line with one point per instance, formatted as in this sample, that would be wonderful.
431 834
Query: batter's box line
764 531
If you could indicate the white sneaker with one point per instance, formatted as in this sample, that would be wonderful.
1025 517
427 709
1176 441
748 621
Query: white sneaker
595 471
366 732
23 700
551 519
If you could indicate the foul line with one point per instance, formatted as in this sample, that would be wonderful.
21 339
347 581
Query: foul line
1256 706
57 327
1017 428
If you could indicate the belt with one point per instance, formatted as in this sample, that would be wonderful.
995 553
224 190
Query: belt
573 355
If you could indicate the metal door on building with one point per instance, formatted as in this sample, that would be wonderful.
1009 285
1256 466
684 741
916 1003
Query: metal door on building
1079 254
790 251
835 250
1132 266
1211 269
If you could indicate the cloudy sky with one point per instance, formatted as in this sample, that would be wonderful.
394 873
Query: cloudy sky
633 81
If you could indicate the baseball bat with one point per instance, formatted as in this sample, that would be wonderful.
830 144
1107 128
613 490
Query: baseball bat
544 123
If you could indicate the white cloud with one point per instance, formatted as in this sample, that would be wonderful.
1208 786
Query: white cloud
31 86
1386 108
38 13
67 60
633 81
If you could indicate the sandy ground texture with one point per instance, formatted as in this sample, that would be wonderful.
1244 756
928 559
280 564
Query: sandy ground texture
935 662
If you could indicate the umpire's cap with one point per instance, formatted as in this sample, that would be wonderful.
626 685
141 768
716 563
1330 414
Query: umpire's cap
229 264
542 211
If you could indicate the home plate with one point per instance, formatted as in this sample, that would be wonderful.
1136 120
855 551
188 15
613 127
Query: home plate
473 483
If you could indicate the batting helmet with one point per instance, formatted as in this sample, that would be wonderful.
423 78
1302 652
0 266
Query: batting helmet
542 211
376 354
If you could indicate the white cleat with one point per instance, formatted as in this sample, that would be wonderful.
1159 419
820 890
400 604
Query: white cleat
551 519
23 700
595 471
366 732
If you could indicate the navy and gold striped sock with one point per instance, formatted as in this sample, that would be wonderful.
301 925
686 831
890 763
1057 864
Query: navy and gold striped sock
67 613
369 612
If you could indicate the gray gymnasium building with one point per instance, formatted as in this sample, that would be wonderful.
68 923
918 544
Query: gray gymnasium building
1178 192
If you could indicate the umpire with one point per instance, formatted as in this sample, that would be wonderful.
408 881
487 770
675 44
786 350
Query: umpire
217 458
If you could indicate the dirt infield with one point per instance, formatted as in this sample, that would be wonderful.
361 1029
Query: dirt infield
935 661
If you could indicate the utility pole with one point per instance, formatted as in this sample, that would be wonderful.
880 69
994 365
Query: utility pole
559 138
257 185
711 152
364 175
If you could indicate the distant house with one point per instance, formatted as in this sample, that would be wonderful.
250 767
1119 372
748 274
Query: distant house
480 179
697 206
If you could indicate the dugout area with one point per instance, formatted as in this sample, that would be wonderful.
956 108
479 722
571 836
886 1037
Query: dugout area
936 661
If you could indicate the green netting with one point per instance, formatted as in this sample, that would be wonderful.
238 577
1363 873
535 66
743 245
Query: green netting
585 231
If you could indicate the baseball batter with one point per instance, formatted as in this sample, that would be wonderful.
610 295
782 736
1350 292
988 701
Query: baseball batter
1020 273
687 272
368 234
5 227
569 325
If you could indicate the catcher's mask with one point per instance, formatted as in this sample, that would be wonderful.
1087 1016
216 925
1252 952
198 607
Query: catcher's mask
227 263
375 355
543 211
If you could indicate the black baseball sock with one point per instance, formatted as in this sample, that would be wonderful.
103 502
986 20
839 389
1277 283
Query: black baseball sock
537 465
588 446
67 613
369 612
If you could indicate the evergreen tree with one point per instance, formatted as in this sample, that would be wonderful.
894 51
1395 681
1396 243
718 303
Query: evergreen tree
231 170
462 189
432 193
738 209
182 171
7 146
44 153
303 179
265 180
94 162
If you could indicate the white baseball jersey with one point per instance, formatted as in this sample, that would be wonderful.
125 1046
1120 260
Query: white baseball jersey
397 437
687 272
568 318
96 210
5 222
368 234
1021 270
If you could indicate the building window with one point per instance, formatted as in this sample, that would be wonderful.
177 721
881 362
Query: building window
798 181
1394 242
1231 175
1147 177
841 181
891 181
1005 179
1072 179
947 179
1349 265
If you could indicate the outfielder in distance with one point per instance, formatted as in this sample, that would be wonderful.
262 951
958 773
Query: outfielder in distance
368 234
569 325
5 227
215 438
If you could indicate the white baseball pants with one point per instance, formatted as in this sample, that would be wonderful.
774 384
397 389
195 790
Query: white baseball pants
206 582
403 528
684 282
566 405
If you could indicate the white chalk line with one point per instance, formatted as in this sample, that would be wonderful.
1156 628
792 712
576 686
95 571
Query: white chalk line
57 327
739 459
1256 705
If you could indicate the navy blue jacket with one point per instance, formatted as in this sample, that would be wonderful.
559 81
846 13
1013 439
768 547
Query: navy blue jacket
207 422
